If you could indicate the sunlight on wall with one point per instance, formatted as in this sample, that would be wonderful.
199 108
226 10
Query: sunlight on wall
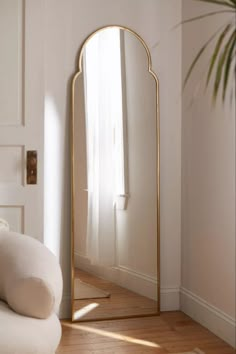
52 179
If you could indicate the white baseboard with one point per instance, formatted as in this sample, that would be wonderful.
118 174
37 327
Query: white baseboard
170 299
209 316
135 281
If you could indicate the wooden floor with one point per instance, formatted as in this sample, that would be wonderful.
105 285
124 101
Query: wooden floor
122 302
171 332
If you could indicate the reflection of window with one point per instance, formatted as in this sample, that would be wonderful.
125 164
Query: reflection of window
105 142
105 111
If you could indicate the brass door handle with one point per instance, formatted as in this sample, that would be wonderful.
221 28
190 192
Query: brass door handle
31 167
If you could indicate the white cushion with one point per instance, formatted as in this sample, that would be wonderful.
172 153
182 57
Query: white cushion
25 335
30 276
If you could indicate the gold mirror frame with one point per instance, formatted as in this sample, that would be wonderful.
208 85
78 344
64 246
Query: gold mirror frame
76 75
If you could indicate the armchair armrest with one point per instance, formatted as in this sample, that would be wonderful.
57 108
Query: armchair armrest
30 275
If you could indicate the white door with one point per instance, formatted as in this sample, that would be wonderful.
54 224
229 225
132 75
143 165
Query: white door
21 113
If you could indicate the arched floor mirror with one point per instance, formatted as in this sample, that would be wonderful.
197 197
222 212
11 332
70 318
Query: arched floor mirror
115 243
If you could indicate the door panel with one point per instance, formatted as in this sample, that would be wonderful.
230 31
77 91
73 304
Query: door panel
21 113
15 217
11 62
11 160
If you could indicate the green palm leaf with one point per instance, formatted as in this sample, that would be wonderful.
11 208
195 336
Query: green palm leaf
229 3
224 50
228 66
199 54
221 62
200 17
216 51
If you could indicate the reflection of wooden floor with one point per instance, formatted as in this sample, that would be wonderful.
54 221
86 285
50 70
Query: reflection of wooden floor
122 302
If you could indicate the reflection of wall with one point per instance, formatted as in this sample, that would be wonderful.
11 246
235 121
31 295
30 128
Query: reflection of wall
136 226
67 24
208 191
80 168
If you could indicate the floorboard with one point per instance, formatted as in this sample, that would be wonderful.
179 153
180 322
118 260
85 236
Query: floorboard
171 332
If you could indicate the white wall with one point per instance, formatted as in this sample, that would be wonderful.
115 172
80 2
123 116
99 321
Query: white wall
137 225
67 24
208 190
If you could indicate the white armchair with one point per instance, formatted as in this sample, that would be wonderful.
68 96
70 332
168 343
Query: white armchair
30 295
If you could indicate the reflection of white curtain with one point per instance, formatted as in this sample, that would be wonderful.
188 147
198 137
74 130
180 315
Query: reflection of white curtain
103 110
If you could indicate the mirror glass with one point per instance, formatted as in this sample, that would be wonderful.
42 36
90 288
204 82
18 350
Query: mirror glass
115 203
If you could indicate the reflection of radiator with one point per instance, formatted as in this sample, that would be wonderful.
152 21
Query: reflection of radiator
121 201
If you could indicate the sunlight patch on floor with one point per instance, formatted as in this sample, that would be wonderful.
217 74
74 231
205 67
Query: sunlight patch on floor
82 312
111 335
